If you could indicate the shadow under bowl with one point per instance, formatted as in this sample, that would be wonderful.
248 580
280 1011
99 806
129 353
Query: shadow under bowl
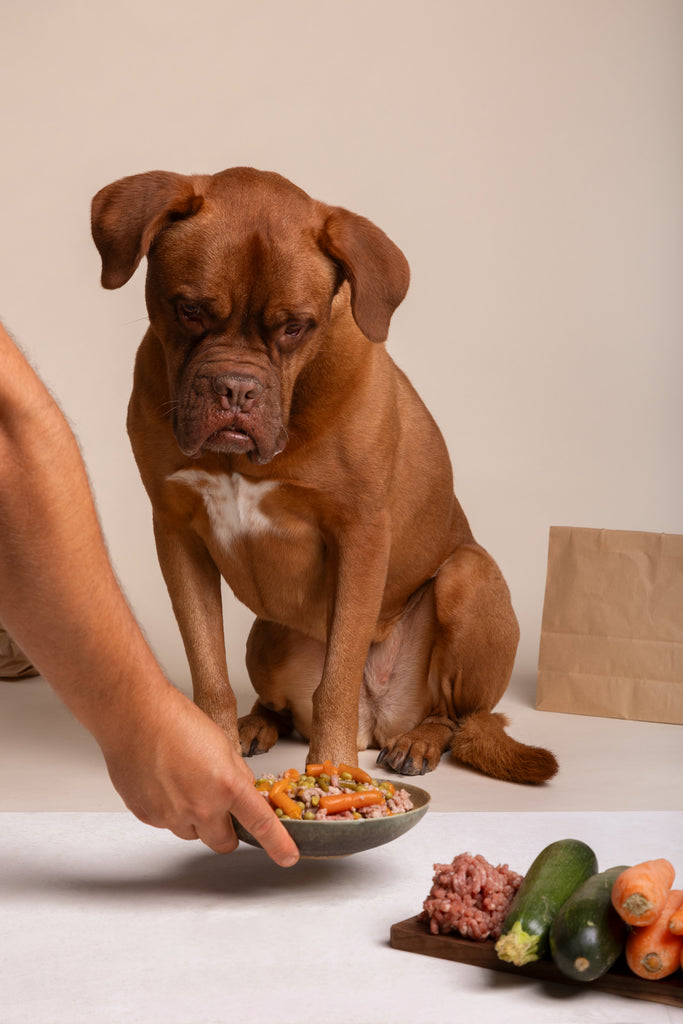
322 839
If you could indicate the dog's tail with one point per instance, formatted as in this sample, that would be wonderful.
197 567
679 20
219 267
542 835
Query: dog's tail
480 741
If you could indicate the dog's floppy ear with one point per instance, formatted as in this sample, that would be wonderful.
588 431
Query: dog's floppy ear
375 268
127 215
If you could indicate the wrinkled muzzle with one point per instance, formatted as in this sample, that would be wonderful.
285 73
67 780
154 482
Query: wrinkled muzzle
230 411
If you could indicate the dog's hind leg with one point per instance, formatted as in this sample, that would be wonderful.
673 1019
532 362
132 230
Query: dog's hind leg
475 642
473 660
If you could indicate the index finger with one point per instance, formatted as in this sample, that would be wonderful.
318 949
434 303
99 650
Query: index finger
260 819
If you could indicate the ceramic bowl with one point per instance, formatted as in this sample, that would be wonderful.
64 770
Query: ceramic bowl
320 839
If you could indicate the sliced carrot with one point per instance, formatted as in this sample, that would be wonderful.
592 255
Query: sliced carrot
676 921
280 785
640 892
367 797
279 797
653 951
326 768
356 773
337 803
292 774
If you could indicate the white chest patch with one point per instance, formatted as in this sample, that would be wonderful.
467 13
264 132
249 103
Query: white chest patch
232 502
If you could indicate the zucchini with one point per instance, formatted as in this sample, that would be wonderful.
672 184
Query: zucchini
557 871
587 935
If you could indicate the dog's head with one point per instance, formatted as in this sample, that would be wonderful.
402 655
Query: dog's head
243 268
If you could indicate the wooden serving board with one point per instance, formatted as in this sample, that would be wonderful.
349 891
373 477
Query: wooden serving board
414 936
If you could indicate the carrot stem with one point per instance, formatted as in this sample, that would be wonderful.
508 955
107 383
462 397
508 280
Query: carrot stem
676 921
641 891
653 951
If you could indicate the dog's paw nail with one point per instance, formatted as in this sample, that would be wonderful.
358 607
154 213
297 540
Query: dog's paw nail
253 749
389 759
408 767
425 766
381 755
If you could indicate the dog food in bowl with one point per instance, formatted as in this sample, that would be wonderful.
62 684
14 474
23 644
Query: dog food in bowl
327 792
373 822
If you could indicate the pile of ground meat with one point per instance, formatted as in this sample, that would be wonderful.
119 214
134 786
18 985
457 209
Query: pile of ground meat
470 896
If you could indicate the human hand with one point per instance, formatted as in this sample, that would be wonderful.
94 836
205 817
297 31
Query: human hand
179 771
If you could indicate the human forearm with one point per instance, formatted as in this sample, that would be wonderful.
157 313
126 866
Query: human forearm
57 589
59 598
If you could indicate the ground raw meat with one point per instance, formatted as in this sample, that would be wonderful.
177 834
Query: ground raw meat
470 896
400 802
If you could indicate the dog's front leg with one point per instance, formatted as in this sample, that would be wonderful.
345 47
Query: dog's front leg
360 558
194 585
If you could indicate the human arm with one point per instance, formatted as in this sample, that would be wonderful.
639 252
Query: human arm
60 600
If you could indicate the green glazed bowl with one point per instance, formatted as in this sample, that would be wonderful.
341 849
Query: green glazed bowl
322 839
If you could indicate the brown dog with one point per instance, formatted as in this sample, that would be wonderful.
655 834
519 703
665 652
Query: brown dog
283 449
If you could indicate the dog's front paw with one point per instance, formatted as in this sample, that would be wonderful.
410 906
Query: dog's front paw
257 735
410 755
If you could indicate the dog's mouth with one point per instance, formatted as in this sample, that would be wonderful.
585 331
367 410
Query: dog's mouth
230 439
227 439
233 440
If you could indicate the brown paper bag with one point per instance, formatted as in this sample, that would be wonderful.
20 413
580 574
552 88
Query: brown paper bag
13 662
612 628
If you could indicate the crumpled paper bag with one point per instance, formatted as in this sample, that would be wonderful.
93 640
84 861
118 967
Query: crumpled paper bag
13 662
612 628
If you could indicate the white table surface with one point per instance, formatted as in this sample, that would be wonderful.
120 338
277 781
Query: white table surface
104 920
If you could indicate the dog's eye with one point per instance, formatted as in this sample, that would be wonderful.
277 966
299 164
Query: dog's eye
190 312
291 334
288 334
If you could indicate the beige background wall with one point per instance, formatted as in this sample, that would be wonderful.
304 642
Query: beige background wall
528 158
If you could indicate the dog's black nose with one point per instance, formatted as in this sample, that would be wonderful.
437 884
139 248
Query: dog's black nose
237 391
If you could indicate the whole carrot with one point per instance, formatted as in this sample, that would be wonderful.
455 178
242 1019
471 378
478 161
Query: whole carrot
653 951
640 892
